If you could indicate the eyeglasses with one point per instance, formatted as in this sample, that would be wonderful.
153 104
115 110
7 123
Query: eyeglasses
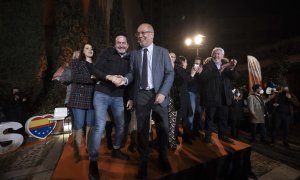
142 33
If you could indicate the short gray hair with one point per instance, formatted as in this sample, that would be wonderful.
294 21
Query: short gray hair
217 49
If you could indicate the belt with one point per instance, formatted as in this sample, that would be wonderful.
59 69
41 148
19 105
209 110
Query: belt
152 90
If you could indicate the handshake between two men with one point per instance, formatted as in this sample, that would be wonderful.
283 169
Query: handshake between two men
118 80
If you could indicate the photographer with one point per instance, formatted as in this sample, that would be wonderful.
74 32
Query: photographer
16 109
236 112
283 113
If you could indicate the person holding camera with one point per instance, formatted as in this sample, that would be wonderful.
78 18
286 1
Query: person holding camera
283 111
236 112
194 89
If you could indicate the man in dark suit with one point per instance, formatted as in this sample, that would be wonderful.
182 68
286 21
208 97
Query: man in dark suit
152 73
217 76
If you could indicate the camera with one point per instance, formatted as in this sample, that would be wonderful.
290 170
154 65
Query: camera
236 92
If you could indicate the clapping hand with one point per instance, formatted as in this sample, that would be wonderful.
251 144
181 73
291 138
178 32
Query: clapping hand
224 66
230 65
233 63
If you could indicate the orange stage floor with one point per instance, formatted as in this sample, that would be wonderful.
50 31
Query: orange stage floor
184 158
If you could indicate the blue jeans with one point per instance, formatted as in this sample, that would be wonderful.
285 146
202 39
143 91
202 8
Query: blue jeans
80 115
101 103
195 104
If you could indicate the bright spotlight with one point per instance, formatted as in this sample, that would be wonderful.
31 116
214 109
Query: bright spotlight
188 41
198 39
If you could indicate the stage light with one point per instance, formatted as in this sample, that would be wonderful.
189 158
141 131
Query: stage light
195 42
198 39
188 41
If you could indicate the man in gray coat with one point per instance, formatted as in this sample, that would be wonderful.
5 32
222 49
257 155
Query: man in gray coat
152 74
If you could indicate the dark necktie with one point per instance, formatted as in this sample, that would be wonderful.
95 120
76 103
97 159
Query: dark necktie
144 82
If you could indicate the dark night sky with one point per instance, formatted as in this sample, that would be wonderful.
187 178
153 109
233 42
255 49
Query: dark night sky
240 26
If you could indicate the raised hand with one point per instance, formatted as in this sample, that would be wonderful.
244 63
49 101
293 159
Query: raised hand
233 63
224 66
193 72
200 69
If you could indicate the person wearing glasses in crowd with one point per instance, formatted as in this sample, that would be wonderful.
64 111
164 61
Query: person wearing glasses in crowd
152 73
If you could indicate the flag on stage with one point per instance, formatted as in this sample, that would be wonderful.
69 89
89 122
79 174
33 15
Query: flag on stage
254 71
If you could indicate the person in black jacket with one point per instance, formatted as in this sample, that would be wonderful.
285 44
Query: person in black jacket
236 113
283 112
195 120
182 80
216 93
110 64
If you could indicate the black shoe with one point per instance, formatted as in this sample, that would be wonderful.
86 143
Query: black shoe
192 137
132 148
286 144
196 134
165 164
109 146
117 153
93 170
207 140
265 142
272 141
186 140
142 172
226 139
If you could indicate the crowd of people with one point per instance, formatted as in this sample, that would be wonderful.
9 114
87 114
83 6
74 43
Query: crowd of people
154 84
151 83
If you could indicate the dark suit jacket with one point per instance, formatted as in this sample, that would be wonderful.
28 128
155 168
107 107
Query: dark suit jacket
110 62
214 84
162 72
182 78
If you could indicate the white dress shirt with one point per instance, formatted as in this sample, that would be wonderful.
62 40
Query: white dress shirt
149 65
